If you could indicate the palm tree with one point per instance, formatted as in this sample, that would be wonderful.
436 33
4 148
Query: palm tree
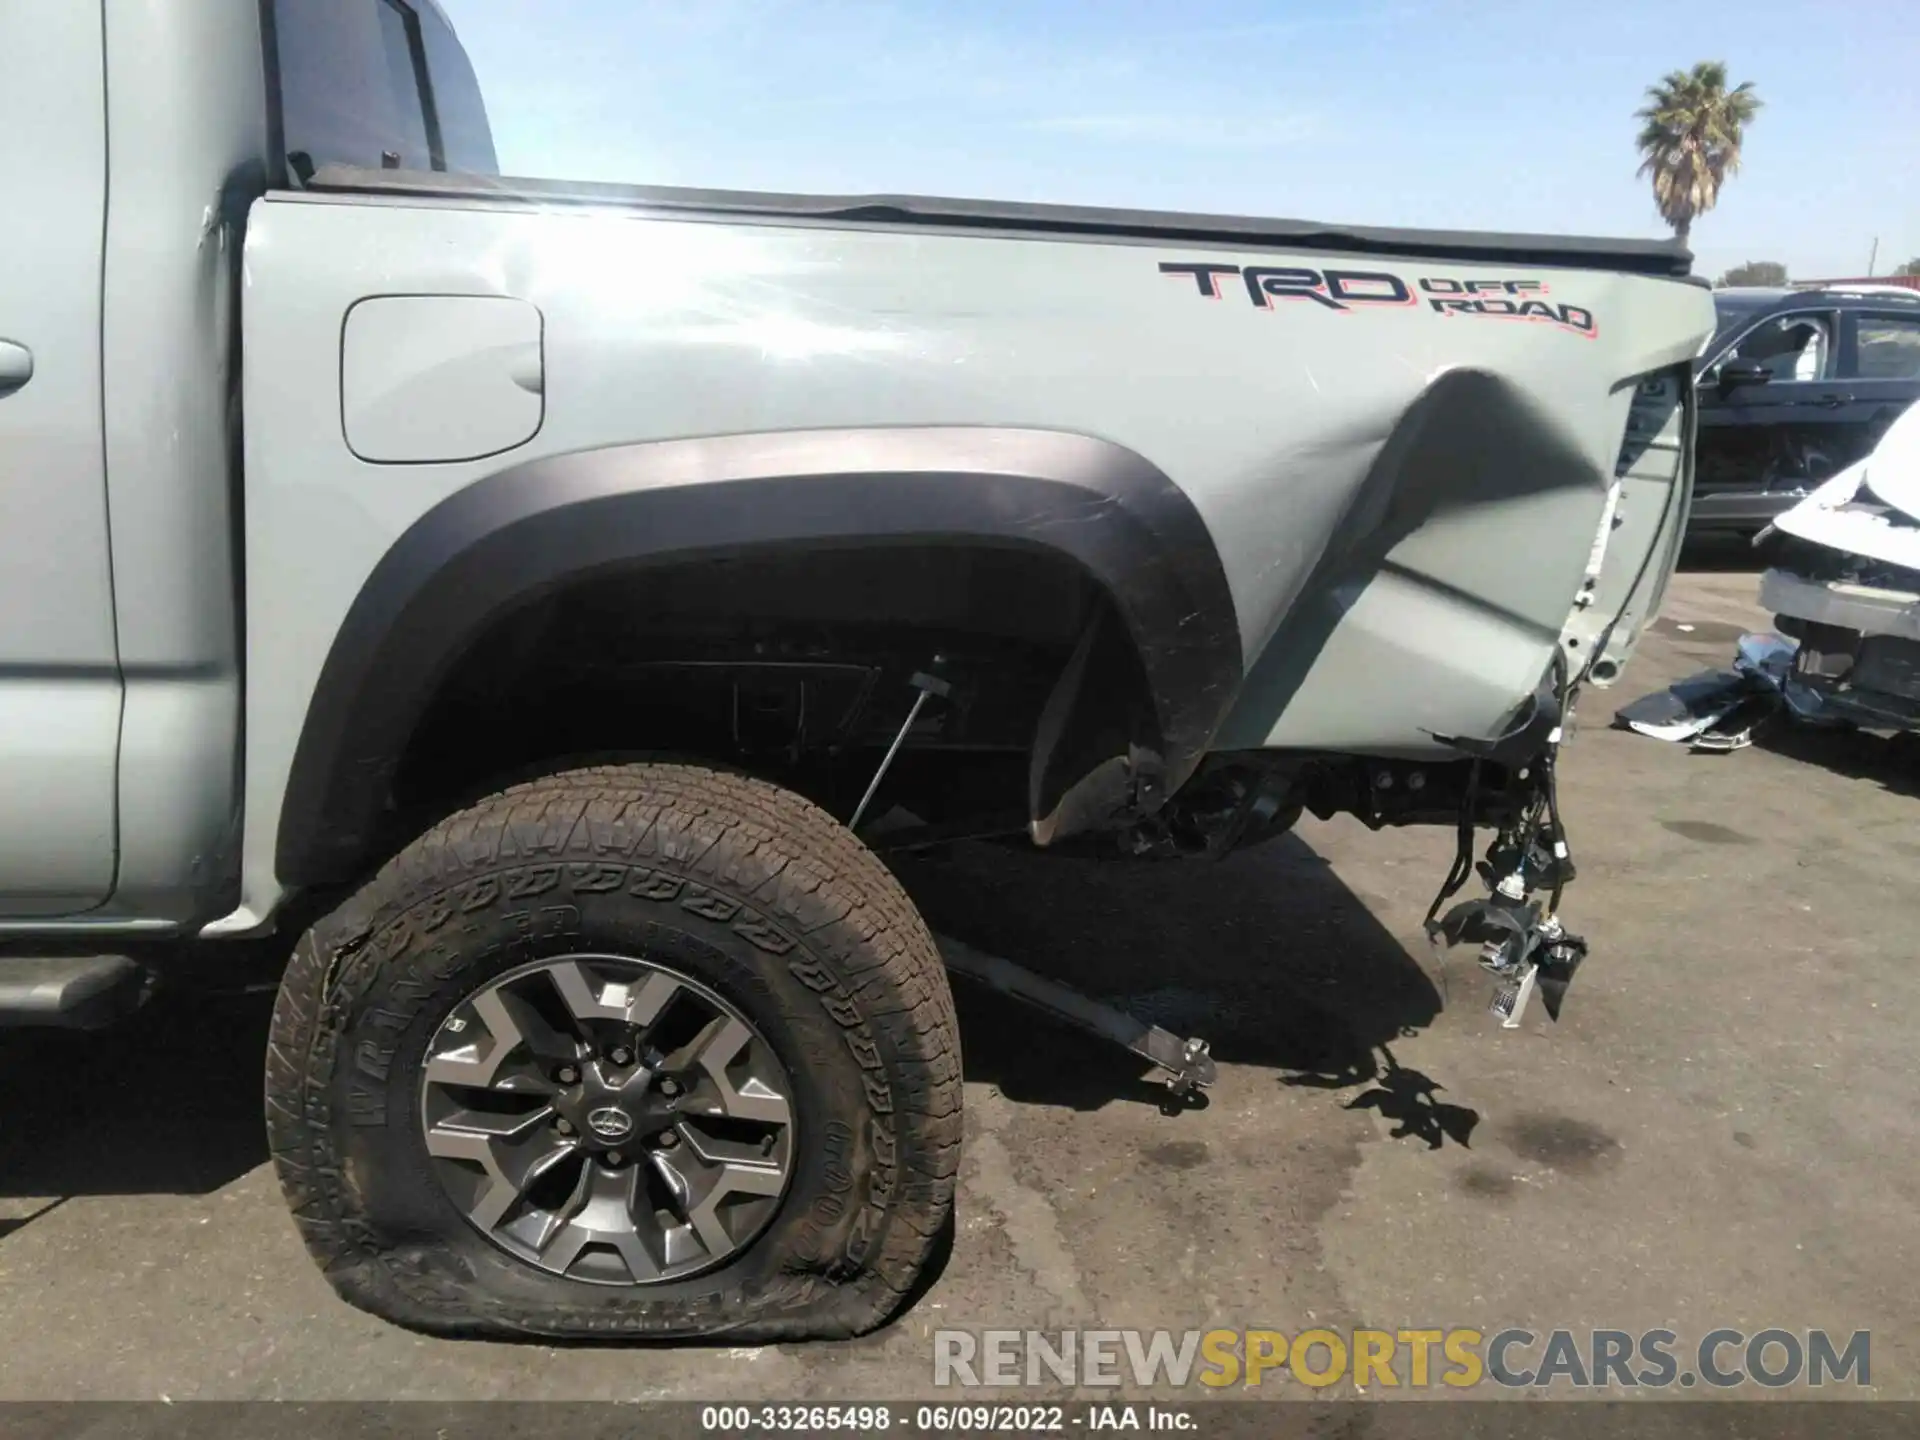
1690 134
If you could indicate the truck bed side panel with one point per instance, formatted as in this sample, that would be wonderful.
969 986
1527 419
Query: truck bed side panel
1308 405
1642 257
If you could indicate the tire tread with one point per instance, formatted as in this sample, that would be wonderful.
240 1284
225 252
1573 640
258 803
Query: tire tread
764 846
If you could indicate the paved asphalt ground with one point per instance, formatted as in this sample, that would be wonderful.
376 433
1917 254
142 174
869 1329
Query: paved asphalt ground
1720 1132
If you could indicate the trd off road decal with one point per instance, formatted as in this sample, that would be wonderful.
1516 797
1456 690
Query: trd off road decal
1505 300
1344 290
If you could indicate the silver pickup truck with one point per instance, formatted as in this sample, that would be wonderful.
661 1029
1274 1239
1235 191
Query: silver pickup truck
550 602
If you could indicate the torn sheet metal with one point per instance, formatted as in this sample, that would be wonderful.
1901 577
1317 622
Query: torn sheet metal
1849 588
1847 593
1877 688
1872 508
1765 657
1893 469
1718 710
1695 710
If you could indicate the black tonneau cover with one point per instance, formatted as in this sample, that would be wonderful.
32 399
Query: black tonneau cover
1641 257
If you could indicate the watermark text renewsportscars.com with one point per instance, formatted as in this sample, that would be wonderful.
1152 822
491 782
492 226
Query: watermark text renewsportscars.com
1459 1358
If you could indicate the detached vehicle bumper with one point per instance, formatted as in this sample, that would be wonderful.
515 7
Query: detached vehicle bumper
1859 654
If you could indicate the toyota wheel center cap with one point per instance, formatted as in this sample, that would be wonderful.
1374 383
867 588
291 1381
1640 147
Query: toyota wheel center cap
610 1122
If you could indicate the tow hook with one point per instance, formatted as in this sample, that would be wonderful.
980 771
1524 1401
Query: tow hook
1522 942
1522 948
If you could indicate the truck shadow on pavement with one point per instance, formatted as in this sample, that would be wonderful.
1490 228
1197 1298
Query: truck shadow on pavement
1267 955
1893 762
168 1104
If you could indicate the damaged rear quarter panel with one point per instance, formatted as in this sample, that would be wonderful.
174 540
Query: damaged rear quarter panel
1283 423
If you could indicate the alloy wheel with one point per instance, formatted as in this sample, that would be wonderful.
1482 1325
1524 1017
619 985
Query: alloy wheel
608 1119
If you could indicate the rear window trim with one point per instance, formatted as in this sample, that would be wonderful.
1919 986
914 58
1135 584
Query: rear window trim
422 80
280 170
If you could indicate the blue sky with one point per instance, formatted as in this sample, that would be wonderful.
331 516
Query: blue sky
1467 114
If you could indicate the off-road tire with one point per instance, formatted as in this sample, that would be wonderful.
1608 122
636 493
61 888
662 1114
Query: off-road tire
802 930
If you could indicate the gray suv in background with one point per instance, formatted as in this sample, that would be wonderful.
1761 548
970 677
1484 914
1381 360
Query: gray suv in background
1795 386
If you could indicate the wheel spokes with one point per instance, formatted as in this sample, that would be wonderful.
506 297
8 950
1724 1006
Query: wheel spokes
515 1044
703 1173
567 1139
589 997
512 1150
714 1050
600 1212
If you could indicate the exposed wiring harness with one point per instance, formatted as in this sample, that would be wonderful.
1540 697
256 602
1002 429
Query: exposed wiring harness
1462 869
1541 818
1564 683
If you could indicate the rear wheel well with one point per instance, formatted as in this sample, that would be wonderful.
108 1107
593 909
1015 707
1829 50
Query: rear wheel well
794 665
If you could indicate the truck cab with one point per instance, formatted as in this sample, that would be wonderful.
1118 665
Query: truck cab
121 626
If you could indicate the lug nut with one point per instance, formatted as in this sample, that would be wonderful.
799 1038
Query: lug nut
615 1159
566 1074
669 1087
620 1055
563 1125
666 1139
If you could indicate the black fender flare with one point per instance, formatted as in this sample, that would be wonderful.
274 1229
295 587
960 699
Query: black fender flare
523 531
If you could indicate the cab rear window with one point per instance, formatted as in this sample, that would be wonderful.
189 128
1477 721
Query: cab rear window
382 84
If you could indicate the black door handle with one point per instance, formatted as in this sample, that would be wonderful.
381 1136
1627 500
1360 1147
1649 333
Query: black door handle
1833 402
